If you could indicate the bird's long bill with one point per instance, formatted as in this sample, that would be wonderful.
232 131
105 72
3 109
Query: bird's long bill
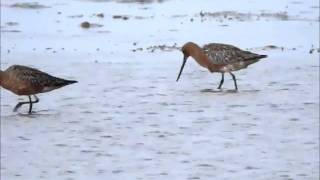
183 63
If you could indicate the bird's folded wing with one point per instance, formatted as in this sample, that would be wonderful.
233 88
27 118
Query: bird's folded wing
230 55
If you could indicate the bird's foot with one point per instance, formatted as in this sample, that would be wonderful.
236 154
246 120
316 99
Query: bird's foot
210 91
233 91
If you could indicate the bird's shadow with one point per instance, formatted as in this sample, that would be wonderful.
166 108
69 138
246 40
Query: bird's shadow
218 91
228 91
35 114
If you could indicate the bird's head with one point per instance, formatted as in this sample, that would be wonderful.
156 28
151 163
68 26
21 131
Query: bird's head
187 49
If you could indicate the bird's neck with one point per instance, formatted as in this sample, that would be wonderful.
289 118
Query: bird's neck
198 55
2 74
3 77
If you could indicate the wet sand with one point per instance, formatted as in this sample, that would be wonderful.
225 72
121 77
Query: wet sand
127 118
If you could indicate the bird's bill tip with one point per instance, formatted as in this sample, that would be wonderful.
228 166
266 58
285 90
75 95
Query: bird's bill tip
182 66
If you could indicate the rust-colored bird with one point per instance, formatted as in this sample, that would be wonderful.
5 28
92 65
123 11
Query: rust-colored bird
219 58
23 80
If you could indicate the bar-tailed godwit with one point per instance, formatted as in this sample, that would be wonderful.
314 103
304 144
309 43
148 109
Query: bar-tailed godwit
219 58
23 80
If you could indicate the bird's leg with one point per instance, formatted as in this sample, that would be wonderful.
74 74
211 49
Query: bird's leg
222 80
20 104
37 99
31 102
234 80
27 102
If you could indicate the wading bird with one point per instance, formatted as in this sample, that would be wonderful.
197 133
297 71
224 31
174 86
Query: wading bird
27 81
219 58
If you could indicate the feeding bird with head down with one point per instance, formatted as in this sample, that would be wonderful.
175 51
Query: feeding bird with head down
222 58
23 80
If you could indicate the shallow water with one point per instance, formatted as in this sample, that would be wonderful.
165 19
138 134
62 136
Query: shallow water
128 118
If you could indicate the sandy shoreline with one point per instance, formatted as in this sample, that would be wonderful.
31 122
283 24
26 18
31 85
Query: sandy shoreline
127 118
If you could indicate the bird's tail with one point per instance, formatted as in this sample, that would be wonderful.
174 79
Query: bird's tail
63 82
262 56
67 82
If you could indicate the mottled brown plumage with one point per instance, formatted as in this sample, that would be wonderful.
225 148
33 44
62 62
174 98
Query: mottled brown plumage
23 80
219 58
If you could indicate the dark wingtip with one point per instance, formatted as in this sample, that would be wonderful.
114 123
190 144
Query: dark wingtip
263 56
71 82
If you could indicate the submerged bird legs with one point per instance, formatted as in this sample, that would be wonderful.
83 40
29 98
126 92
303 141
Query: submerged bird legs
30 102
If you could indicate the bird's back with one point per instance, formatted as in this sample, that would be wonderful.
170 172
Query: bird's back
219 47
